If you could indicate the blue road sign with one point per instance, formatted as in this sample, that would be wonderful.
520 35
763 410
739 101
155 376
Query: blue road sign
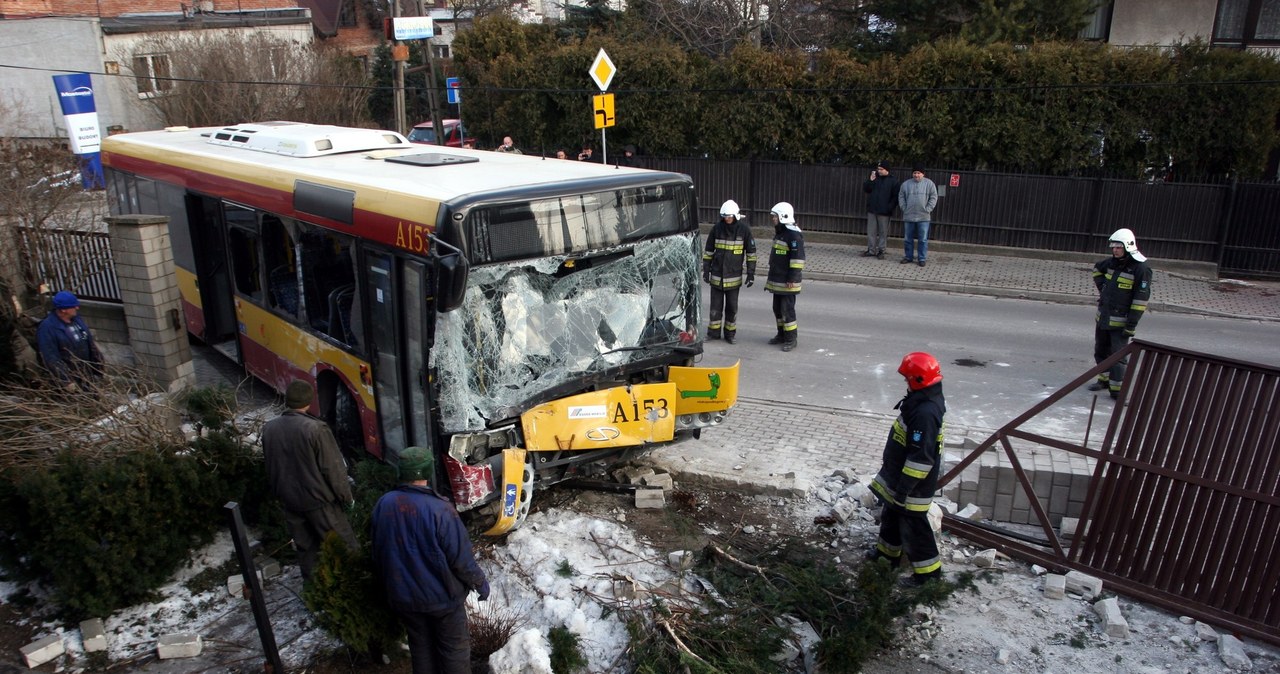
454 87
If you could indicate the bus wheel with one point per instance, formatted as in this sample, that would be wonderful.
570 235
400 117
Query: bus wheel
347 429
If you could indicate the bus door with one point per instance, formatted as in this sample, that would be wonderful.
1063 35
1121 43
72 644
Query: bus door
253 324
398 315
213 274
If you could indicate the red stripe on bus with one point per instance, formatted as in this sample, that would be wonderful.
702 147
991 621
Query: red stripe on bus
373 226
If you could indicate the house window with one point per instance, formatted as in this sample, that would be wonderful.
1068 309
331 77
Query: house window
440 51
1099 26
347 14
152 73
1245 22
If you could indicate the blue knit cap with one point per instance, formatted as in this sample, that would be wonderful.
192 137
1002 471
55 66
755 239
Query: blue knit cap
65 300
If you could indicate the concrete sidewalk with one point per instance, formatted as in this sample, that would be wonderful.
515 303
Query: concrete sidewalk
1030 274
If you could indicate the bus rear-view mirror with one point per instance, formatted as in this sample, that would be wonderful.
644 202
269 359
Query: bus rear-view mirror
451 281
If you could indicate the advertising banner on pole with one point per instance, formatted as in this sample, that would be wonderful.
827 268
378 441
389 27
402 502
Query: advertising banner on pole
75 95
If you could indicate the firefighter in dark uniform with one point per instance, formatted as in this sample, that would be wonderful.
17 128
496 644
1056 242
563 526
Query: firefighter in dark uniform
728 246
1124 287
909 472
786 265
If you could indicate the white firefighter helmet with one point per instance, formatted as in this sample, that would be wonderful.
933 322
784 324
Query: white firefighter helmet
1126 238
729 208
786 214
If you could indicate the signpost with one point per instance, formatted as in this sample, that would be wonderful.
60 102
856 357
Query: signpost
453 89
602 72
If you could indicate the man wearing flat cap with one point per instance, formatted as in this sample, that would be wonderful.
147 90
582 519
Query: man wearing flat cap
306 472
882 199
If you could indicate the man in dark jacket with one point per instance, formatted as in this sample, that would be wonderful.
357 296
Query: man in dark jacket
909 472
421 550
1124 287
882 189
786 266
67 348
729 246
306 472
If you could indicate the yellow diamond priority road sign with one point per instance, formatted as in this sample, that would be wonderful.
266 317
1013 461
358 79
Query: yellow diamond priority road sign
602 71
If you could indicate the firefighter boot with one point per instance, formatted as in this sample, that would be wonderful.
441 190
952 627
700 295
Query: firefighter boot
790 344
713 335
917 580
1098 385
731 336
778 339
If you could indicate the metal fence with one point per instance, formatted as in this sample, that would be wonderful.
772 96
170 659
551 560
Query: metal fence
1184 500
1235 225
72 260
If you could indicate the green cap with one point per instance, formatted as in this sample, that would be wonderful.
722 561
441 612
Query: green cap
416 463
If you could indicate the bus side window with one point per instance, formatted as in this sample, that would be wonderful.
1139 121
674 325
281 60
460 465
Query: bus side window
328 282
244 262
278 256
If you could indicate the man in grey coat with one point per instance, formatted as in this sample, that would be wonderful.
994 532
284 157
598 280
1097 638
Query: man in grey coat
306 472
917 198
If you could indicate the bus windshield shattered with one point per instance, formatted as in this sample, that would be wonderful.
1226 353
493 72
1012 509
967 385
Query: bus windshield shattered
567 305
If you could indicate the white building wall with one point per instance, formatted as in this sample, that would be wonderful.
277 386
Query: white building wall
1161 22
39 49
42 48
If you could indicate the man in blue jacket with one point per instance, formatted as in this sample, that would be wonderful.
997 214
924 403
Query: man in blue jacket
67 348
421 549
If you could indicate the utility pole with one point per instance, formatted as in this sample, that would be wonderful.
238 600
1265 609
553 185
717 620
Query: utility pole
398 64
432 100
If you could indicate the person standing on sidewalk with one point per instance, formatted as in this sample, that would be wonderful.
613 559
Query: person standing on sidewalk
917 199
1124 287
306 472
786 265
909 472
729 245
883 199
421 550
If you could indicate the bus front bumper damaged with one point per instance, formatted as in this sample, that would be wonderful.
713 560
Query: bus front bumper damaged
613 420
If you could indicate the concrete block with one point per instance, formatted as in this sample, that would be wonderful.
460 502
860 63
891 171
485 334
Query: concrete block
1003 656
844 509
1083 584
1003 508
659 480
267 567
1113 622
1231 650
93 635
43 650
651 498
1067 529
179 646
1055 586
235 585
970 512
632 474
1206 632
985 559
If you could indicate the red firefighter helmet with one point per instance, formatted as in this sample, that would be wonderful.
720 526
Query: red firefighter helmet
920 369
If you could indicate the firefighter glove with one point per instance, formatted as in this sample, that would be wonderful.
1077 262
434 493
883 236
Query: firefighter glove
1128 332
751 280
706 276
483 591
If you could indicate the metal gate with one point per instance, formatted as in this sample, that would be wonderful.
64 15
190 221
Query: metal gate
1184 502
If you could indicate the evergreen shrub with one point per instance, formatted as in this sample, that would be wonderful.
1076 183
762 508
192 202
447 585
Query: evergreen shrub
106 534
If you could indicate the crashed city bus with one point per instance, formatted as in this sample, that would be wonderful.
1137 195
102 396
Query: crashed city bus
529 320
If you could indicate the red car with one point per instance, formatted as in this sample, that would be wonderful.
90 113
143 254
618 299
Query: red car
454 132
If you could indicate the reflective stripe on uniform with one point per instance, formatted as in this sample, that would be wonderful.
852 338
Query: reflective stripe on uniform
927 565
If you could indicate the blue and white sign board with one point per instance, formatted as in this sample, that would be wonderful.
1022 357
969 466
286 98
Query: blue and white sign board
454 89
412 27
75 94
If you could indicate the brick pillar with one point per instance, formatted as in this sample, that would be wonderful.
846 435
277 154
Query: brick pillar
152 303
